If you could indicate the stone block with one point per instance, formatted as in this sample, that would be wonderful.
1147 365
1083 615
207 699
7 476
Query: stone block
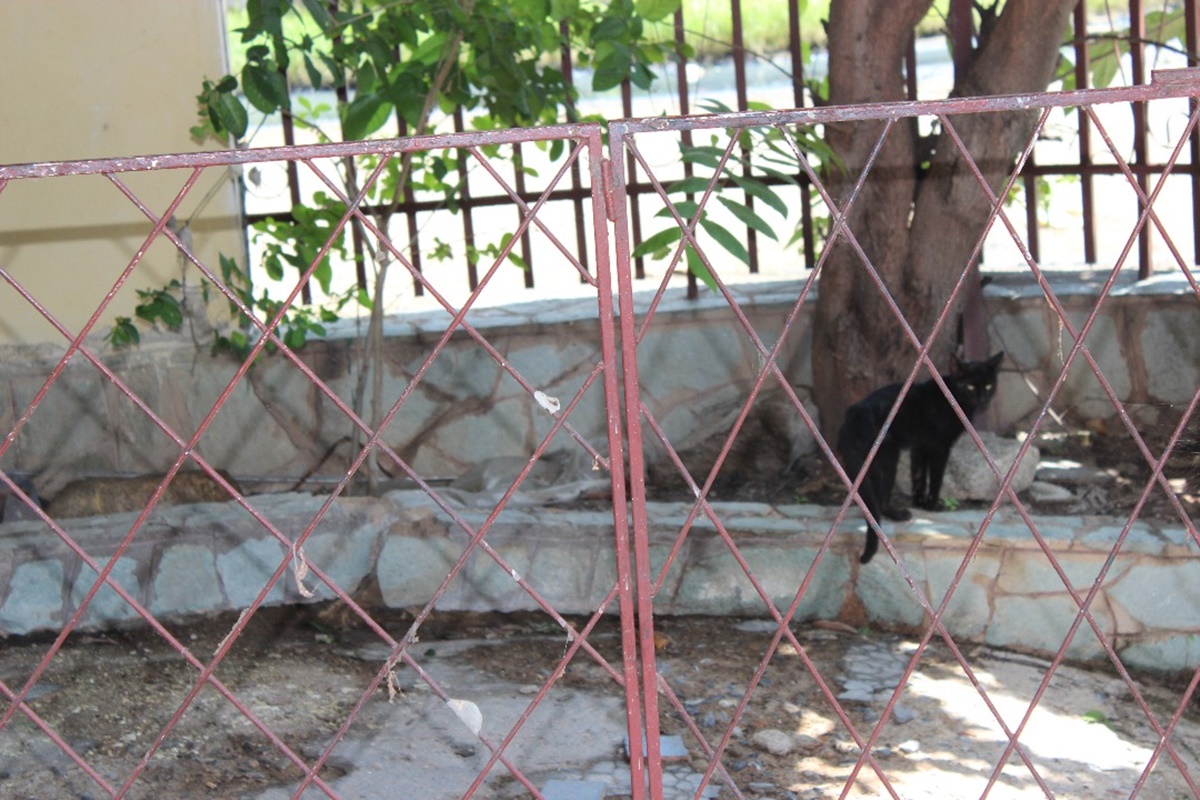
1172 352
556 789
1029 572
411 568
884 593
346 554
107 607
245 569
35 597
712 582
1162 595
967 612
186 581
1082 394
561 573
1177 653
489 586
1041 623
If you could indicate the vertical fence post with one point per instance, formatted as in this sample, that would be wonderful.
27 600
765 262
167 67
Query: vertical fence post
1086 181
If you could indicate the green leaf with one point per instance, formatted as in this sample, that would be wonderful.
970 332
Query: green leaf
685 208
707 156
314 75
655 10
697 267
726 239
320 13
1104 65
692 185
365 115
658 243
563 9
295 337
761 192
265 88
746 215
124 333
613 59
323 274
230 114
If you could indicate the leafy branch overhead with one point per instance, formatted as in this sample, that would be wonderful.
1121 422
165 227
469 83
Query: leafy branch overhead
390 55
408 63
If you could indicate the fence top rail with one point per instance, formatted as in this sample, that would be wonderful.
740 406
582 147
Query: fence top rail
1165 84
581 131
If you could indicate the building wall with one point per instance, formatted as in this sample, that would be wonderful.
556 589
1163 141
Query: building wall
85 79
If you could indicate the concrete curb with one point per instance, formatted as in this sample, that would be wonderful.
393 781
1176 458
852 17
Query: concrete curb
214 557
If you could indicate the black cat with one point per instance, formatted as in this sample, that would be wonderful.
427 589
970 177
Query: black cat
925 424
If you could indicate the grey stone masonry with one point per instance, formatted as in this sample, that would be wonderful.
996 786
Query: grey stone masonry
276 427
204 558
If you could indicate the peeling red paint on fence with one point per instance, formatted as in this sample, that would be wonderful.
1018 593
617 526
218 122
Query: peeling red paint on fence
633 420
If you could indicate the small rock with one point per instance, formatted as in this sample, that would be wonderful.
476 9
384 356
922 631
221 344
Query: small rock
757 626
845 746
775 742
806 743
1042 492
1067 471
903 715
909 746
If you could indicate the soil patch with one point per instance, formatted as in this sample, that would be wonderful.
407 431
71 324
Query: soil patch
302 669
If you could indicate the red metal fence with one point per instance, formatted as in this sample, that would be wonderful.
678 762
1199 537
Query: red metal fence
648 693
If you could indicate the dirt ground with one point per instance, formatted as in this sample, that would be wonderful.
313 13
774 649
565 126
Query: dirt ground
302 669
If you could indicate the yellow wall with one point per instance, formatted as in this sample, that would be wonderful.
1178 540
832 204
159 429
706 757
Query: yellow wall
87 79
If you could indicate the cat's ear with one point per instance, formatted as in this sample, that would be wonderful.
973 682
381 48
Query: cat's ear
995 360
956 365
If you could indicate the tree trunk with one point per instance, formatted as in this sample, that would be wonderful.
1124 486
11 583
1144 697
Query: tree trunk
916 228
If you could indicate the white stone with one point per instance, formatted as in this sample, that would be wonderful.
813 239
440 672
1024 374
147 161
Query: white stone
1041 492
773 741
968 476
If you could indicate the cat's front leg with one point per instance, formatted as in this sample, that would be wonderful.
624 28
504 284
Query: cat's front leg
919 472
937 470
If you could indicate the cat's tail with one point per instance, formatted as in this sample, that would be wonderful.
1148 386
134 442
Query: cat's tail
853 466
871 546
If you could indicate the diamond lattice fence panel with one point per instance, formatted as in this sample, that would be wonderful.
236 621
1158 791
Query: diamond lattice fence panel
818 711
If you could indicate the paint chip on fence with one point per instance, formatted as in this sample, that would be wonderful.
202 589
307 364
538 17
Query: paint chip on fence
468 712
547 402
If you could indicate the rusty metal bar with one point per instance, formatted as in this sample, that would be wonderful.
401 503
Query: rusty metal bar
796 50
1191 10
743 102
568 70
1137 57
1086 185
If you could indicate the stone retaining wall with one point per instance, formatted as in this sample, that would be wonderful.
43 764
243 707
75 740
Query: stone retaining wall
215 557
693 360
